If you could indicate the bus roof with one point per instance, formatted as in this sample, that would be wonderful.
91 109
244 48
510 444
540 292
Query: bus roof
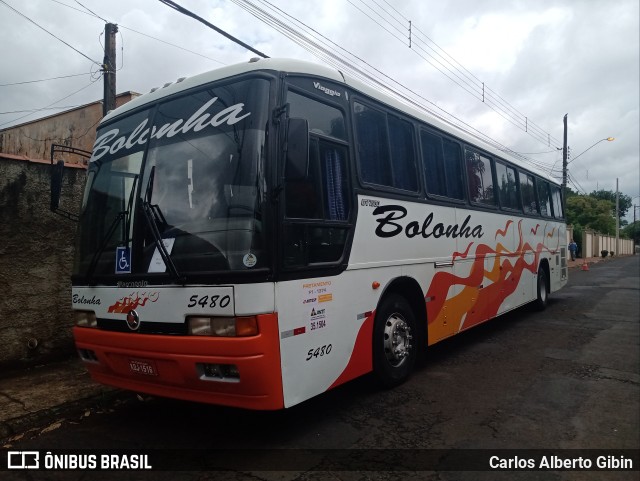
313 69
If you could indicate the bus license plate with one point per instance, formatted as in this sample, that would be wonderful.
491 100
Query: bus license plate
148 368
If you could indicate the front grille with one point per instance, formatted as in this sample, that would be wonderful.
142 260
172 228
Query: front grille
167 328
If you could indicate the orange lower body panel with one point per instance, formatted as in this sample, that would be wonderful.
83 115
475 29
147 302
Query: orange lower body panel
175 362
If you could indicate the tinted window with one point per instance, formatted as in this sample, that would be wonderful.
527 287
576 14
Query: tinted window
453 169
527 189
323 119
402 154
557 202
544 197
373 145
480 178
317 203
386 152
507 186
433 161
441 160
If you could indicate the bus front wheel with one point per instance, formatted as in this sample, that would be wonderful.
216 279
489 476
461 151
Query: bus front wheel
394 341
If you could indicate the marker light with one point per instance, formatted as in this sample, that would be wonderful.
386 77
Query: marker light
85 318
222 326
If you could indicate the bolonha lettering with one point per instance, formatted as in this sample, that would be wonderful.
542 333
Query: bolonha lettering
388 226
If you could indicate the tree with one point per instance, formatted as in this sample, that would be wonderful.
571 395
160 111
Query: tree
624 202
632 231
590 212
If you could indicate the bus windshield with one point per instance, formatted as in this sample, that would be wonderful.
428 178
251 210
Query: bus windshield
178 187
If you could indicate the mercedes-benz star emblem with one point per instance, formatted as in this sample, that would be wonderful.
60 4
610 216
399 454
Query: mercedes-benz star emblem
133 320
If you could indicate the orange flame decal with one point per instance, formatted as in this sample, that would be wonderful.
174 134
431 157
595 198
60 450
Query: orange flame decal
457 303
133 301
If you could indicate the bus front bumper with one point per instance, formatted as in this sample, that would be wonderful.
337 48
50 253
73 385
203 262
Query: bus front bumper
242 372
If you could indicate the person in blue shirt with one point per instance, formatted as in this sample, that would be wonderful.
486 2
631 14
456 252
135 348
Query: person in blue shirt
573 249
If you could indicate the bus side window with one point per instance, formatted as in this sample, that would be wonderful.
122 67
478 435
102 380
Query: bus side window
442 166
480 176
403 161
557 202
507 186
544 198
386 149
373 145
527 190
453 169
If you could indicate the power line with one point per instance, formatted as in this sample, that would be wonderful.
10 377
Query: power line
54 36
420 42
188 13
51 104
169 43
330 52
76 9
93 13
576 184
42 80
37 110
140 33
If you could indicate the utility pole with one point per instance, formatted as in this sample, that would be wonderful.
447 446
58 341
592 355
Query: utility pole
109 68
617 219
564 168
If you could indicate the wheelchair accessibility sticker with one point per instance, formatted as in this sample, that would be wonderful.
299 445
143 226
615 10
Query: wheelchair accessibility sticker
123 260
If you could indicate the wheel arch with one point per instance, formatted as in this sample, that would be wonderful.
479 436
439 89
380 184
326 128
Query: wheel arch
543 269
409 288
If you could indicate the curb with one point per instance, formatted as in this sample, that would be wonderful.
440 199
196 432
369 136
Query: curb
53 417
42 398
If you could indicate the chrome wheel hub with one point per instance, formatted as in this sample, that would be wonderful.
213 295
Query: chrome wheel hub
397 340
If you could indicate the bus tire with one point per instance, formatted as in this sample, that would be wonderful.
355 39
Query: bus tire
542 290
394 341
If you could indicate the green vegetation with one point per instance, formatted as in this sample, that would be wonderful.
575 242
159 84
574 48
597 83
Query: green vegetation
597 211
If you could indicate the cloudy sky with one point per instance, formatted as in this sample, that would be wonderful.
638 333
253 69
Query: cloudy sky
538 60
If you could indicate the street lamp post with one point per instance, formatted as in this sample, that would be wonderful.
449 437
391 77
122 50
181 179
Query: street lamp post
566 162
608 139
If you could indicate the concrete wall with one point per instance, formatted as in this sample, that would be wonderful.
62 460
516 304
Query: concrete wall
594 242
36 252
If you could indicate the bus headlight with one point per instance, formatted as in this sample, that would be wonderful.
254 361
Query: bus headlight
222 326
85 318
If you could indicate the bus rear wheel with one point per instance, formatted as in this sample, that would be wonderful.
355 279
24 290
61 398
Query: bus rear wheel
394 341
543 291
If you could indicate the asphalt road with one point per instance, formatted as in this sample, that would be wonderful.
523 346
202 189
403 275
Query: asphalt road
566 378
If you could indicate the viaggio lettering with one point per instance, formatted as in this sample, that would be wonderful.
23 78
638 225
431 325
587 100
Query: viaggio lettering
388 226
141 134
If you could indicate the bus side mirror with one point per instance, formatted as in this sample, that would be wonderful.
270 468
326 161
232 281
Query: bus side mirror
57 171
297 163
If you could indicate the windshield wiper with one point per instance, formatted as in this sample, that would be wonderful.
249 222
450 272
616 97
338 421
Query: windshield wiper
112 228
153 216
124 217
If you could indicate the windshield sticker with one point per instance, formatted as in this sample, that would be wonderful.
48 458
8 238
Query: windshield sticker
157 264
108 143
249 260
123 260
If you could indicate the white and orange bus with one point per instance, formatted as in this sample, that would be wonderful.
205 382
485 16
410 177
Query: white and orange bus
259 234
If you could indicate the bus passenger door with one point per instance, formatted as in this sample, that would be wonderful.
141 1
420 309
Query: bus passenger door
316 224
